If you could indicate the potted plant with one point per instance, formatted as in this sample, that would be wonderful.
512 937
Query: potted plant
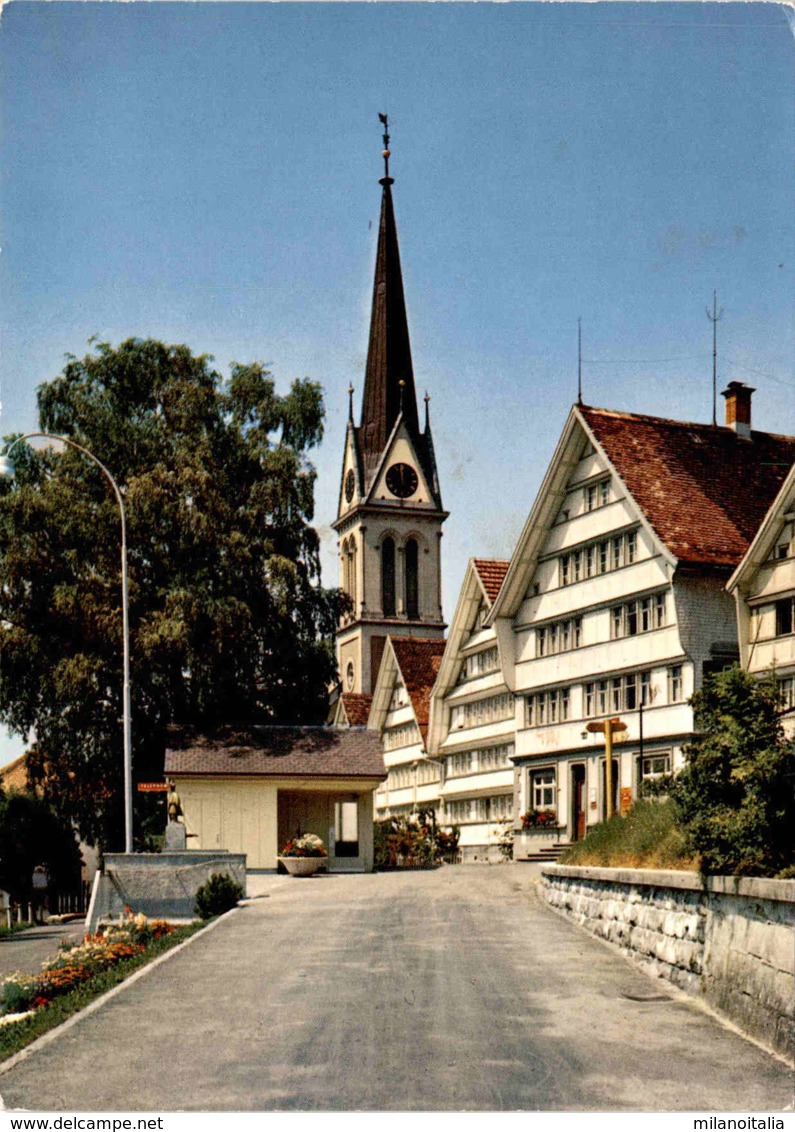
540 819
303 855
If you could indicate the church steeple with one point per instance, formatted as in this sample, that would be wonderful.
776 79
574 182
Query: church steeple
389 350
390 513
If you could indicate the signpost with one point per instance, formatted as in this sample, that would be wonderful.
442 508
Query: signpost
609 727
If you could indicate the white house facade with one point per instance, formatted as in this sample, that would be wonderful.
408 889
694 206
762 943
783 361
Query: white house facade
763 586
614 606
471 730
399 713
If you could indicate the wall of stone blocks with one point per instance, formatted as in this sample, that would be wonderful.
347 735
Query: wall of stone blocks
731 941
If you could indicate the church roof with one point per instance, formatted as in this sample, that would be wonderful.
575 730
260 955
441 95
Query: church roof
357 707
419 660
703 488
491 572
295 752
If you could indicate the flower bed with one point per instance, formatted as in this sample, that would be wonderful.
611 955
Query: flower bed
76 964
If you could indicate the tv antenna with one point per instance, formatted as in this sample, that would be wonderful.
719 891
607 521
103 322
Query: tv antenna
579 361
715 318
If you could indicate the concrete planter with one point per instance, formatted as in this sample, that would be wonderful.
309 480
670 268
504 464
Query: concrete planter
302 866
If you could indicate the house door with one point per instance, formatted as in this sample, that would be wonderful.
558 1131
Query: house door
577 803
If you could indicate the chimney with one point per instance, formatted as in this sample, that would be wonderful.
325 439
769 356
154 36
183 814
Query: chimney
738 407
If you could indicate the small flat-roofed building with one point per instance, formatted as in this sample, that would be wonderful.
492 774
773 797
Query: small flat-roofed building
251 789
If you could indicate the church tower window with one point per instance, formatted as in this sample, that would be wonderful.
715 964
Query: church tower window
412 580
388 577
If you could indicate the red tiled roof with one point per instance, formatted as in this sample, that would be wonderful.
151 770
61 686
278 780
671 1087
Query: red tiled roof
703 489
357 708
419 659
305 752
492 572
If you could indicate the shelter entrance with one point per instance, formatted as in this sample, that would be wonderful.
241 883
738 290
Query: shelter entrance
334 818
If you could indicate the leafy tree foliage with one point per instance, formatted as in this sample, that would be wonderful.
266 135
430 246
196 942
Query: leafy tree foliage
736 793
227 617
31 834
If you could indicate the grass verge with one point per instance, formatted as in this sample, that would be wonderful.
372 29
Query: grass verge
16 1035
6 931
647 838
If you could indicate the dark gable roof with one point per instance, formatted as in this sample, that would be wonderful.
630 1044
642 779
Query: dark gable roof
702 488
419 659
357 708
492 572
303 752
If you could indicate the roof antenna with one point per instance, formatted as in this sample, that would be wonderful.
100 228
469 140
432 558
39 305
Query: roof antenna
579 361
715 318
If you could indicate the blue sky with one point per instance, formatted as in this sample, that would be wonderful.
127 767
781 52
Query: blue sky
208 173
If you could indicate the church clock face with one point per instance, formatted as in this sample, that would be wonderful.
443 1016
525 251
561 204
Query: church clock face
350 485
401 479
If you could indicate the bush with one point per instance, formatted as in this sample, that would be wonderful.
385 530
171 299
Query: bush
217 895
415 842
735 794
649 837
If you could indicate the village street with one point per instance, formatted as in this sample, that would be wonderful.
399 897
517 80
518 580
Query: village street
447 990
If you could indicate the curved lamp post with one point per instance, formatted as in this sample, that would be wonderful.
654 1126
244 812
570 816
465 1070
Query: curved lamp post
7 471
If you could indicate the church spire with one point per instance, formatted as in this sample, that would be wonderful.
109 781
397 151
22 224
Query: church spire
389 376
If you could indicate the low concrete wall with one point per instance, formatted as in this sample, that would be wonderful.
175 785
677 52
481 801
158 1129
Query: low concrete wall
161 885
731 941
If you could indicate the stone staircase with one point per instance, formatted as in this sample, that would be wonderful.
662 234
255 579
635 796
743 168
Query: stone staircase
548 854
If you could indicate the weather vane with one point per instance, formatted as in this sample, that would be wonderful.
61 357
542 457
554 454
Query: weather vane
385 122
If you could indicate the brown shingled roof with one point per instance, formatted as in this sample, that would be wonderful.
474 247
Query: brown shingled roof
419 659
492 572
703 489
305 752
357 707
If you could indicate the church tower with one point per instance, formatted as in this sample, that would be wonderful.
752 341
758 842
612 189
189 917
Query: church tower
390 516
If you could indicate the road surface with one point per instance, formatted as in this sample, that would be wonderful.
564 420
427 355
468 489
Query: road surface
448 990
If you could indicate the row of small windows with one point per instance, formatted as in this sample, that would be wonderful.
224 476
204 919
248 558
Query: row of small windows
484 758
638 616
560 636
601 697
419 774
488 710
401 736
598 558
480 664
461 810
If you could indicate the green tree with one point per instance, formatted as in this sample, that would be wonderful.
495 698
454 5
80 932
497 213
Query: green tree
736 794
32 834
228 620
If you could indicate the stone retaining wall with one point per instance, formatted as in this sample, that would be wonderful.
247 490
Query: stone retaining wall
732 941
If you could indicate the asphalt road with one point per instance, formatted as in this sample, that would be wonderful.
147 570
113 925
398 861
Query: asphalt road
453 990
26 951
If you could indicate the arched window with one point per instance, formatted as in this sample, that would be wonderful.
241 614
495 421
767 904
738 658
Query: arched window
388 577
412 580
352 573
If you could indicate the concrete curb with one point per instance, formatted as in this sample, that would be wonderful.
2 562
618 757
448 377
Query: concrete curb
58 1031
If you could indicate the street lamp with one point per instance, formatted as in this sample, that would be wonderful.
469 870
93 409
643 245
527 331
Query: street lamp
7 471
